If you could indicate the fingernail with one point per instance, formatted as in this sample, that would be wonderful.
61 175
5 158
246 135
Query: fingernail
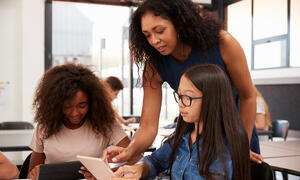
114 159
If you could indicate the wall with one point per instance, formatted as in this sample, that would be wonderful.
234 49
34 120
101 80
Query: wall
21 55
283 102
11 59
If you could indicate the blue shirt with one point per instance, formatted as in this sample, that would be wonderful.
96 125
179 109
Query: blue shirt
171 71
185 165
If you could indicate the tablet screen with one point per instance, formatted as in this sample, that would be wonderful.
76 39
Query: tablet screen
60 171
97 167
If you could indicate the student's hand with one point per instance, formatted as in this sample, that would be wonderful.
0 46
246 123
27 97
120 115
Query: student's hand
129 172
257 158
128 121
116 154
87 175
34 172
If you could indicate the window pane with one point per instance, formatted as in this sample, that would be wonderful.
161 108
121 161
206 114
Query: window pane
270 55
169 107
270 18
83 33
239 25
72 34
138 93
295 33
173 109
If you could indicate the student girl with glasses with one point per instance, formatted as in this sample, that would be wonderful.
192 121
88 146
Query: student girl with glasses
209 142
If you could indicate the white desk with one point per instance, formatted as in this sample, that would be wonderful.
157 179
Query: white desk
289 164
15 144
283 156
289 145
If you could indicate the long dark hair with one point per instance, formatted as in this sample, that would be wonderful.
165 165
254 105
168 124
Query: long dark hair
220 117
61 83
195 27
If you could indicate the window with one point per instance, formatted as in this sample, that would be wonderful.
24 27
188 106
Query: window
295 35
268 32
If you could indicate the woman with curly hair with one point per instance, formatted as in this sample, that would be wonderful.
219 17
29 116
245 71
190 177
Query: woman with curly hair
74 116
166 38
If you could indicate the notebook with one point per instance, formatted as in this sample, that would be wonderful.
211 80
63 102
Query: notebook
97 167
60 171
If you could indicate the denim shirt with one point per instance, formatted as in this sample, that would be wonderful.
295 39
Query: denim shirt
185 165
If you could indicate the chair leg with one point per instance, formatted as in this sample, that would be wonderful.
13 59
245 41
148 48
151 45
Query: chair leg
285 175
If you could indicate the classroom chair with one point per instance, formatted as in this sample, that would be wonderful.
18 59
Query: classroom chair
15 125
261 171
280 128
24 168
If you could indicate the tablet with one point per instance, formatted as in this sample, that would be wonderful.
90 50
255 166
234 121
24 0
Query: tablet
97 167
60 171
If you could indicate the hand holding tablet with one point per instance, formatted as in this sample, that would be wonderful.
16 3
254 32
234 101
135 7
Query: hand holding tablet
97 167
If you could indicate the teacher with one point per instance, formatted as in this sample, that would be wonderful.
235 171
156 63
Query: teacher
166 38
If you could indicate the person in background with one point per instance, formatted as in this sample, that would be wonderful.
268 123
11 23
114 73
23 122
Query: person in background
210 141
7 169
114 86
263 121
74 116
166 38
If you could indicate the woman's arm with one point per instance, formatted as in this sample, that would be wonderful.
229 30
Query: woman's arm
122 120
147 131
124 143
36 159
151 165
137 171
237 67
7 169
260 121
119 118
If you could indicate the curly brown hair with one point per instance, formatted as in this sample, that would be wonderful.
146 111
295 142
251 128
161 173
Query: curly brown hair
61 83
195 27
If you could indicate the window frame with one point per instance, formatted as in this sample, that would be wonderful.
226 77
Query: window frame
271 39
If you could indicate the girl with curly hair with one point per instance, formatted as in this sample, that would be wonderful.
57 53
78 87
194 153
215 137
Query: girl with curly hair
210 141
74 116
166 38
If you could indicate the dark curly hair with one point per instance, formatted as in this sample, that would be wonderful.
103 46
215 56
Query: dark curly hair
195 27
61 83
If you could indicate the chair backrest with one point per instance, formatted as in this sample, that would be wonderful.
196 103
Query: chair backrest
280 128
24 168
15 125
261 171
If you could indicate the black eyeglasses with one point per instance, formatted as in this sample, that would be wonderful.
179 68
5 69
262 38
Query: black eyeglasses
185 99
